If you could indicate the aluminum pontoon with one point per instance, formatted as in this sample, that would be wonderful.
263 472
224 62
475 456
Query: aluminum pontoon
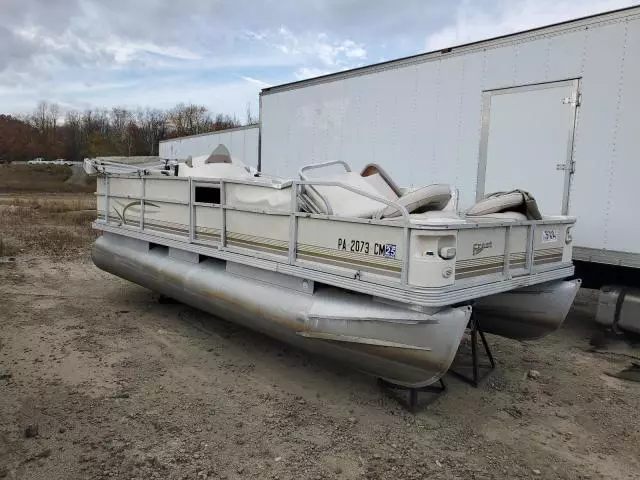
345 264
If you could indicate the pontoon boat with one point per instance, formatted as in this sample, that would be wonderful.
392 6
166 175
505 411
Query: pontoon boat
337 262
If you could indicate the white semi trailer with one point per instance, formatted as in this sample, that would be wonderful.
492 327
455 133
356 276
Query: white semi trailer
242 143
552 110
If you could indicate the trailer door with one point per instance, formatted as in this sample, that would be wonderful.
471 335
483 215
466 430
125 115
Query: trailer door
527 142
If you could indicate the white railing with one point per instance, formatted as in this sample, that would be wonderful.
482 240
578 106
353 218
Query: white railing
403 222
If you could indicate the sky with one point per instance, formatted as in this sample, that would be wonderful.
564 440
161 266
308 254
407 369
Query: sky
220 53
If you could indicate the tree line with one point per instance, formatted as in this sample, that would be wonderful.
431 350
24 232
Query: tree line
97 132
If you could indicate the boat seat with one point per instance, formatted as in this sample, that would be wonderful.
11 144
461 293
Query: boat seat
214 171
343 202
513 201
205 165
501 216
267 198
434 216
415 200
374 181
429 197
381 181
220 155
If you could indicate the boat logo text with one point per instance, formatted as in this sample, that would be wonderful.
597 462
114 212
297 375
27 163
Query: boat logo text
479 247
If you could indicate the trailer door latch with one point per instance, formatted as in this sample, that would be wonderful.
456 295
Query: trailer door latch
571 166
572 100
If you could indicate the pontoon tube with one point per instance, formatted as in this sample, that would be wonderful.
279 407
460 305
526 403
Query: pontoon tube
405 346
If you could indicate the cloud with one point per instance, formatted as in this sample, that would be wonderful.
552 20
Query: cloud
355 51
317 53
221 53
256 81
312 47
474 21
309 72
88 52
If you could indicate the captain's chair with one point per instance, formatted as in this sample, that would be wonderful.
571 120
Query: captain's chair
373 180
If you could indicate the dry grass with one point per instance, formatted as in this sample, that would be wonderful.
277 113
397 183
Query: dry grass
49 225
44 178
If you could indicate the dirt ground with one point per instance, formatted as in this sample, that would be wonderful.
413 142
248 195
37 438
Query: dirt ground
44 178
100 380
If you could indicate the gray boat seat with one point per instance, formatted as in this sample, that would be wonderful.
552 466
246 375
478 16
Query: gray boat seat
415 200
214 164
434 217
381 181
502 216
343 202
513 201
374 181
220 155
214 170
423 199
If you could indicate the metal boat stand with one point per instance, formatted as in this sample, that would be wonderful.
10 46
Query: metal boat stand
412 404
164 300
478 372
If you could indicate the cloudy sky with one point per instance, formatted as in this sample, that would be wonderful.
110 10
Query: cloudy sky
220 53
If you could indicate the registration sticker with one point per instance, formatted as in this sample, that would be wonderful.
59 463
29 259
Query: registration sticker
390 250
549 236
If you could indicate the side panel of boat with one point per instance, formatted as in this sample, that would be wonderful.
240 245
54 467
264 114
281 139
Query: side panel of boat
482 251
527 313
405 346
375 249
373 253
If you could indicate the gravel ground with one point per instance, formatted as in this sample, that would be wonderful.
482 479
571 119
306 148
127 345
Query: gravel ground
99 380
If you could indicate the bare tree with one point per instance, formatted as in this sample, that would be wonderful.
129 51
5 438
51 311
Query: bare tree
74 139
96 121
96 131
223 122
189 119
120 131
153 125
53 113
45 117
39 116
99 132
251 119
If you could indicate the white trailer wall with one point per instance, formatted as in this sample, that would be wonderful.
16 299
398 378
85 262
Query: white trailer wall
242 143
420 118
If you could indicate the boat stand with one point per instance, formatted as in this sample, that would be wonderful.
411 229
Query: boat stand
476 374
412 405
164 300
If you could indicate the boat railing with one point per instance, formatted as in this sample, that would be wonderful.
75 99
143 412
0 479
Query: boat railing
293 230
109 167
295 214
317 166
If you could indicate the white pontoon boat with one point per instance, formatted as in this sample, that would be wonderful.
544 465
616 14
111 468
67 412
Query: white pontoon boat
344 264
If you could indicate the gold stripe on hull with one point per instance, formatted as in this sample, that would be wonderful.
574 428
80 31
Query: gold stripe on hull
342 263
490 265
